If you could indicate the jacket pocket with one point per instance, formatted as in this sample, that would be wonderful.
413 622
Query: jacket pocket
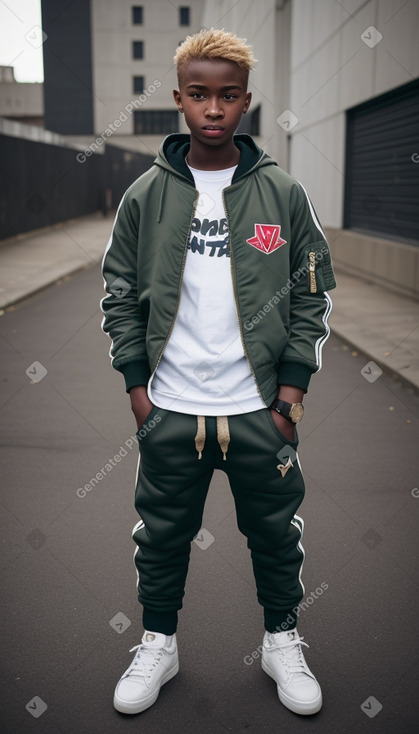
320 271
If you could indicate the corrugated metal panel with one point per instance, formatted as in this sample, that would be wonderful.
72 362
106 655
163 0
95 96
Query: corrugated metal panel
382 165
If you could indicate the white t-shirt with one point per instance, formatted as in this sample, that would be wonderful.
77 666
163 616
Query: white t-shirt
203 370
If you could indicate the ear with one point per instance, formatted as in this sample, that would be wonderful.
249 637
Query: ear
247 102
178 99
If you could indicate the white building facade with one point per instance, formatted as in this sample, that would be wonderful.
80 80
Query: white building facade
319 59
132 58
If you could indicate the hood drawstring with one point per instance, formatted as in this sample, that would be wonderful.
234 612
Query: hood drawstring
223 434
163 189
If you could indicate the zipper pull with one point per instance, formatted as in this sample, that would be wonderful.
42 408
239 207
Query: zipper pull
312 272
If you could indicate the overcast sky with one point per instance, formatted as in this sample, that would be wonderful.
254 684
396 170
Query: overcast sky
21 39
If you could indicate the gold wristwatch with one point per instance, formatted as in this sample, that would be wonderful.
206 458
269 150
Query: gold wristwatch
293 412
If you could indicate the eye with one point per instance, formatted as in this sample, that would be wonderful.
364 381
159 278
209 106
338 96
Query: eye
197 95
230 97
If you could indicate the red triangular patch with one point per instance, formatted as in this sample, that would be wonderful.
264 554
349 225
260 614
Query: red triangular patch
267 238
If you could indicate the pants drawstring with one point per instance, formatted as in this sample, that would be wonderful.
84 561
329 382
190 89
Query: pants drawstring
200 435
223 434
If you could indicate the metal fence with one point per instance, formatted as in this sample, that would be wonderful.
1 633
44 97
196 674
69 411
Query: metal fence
42 184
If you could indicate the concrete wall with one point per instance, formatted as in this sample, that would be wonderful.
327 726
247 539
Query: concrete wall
20 100
393 265
332 70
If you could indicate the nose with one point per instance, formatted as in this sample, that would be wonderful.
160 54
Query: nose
214 109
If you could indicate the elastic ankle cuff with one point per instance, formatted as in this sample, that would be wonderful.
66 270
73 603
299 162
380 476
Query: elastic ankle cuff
163 622
279 621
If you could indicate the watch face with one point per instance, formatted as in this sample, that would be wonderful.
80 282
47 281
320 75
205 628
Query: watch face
296 412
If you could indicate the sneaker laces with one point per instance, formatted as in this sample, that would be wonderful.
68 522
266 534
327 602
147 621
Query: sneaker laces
292 655
145 661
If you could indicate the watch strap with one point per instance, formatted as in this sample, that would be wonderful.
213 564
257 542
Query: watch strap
283 408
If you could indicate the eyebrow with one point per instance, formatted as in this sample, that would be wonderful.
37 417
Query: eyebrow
223 89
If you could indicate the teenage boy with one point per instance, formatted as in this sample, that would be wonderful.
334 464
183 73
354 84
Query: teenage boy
216 274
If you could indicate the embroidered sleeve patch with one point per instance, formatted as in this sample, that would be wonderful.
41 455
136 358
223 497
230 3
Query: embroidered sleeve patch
267 238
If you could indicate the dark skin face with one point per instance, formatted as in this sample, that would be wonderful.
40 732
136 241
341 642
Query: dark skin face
213 96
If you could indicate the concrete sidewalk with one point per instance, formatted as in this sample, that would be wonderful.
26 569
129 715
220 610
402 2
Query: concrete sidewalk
375 321
379 323
37 259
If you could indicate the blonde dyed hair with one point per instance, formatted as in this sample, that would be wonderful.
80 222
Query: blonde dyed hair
215 44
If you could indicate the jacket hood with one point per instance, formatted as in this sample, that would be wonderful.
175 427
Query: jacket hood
174 149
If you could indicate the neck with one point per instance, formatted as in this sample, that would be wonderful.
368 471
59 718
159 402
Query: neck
207 158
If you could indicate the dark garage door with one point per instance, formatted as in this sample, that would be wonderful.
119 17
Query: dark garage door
382 165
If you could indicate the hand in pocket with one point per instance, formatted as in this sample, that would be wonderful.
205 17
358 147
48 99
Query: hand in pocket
141 404
283 425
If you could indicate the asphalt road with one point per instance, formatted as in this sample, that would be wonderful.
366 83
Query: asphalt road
68 597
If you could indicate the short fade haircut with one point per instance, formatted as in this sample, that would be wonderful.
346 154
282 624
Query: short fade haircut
214 44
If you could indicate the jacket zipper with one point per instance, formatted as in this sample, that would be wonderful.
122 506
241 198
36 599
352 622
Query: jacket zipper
233 278
169 333
312 272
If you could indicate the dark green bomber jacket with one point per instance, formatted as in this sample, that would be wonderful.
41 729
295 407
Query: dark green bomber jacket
280 265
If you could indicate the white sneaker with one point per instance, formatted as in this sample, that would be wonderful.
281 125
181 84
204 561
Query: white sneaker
155 662
283 660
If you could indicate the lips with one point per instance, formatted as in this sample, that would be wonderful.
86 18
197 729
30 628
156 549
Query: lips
213 131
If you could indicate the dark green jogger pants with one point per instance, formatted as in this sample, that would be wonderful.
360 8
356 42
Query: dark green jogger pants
172 485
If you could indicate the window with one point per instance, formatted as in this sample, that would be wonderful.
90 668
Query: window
156 122
184 16
138 84
138 49
137 14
